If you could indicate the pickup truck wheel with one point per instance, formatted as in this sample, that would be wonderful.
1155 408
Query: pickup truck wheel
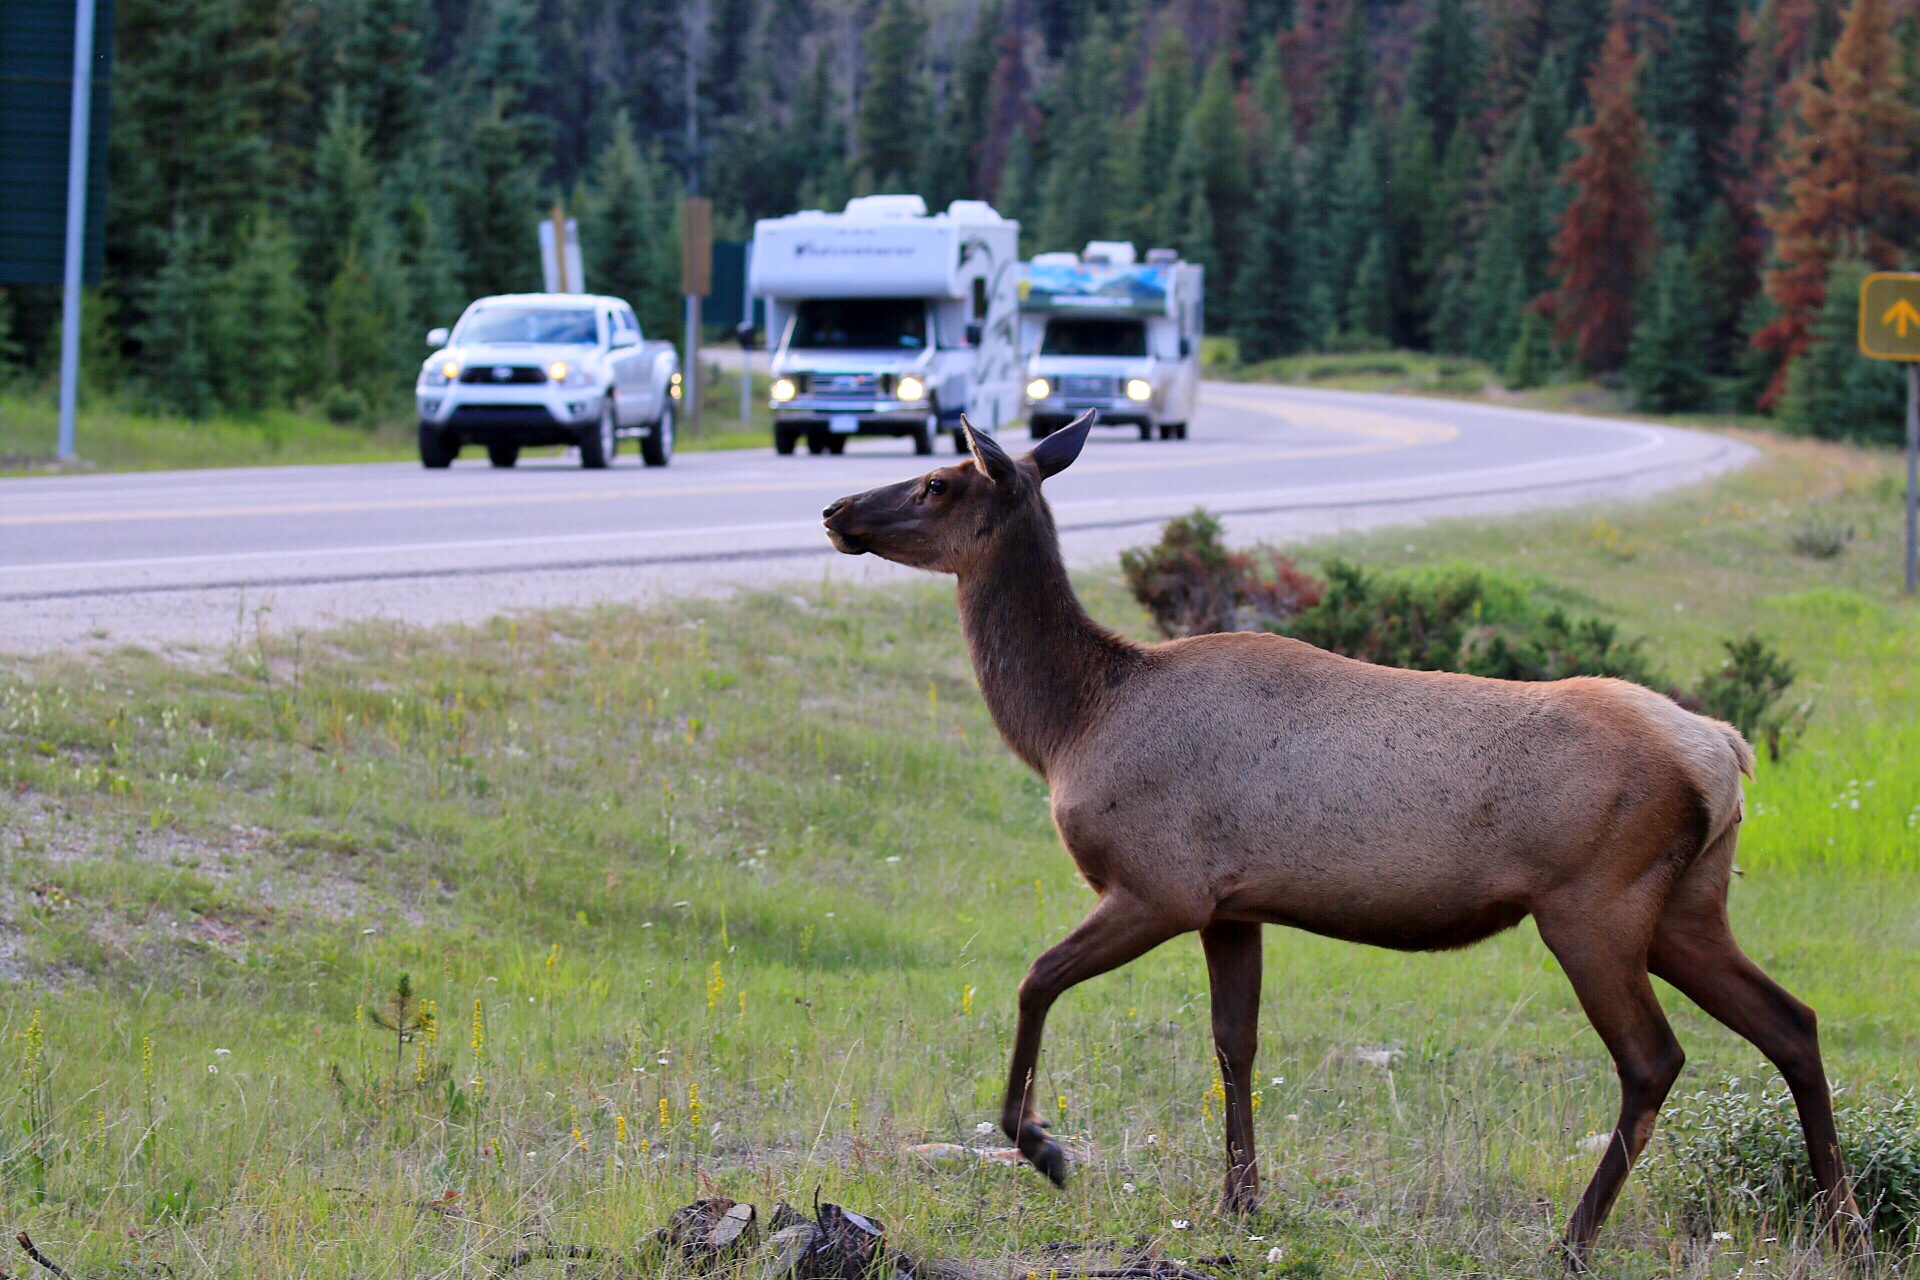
656 447
503 455
924 433
1146 431
1167 431
438 448
598 442
784 438
1179 431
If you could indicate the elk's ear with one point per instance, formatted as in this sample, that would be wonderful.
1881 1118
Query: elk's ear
1057 452
992 460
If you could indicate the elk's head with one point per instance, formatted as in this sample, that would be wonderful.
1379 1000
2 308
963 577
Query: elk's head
947 519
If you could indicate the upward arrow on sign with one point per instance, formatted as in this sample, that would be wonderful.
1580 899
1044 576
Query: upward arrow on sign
1900 315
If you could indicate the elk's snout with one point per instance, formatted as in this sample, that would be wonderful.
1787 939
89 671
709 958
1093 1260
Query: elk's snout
836 516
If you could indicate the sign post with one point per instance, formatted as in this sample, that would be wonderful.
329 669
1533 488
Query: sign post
1890 330
561 267
696 279
78 133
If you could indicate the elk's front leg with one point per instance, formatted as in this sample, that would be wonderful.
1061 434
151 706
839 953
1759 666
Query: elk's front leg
1233 969
1117 930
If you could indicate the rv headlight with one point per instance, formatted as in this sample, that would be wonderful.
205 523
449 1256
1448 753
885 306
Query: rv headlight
1139 389
911 388
783 389
1039 389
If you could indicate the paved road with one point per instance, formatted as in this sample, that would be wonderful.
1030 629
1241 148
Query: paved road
203 557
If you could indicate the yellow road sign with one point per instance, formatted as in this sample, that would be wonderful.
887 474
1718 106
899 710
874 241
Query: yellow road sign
1890 316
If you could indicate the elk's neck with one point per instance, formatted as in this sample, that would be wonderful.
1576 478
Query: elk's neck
1043 665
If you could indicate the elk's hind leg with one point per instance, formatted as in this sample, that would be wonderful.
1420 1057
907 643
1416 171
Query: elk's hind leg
1233 970
1117 930
1694 949
1608 968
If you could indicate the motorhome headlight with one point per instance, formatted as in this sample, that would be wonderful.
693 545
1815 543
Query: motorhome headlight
783 390
1139 389
1039 389
911 388
439 375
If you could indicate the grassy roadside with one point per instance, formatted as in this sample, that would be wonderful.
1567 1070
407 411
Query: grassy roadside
736 895
118 437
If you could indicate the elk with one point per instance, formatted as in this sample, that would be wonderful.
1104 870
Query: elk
1219 783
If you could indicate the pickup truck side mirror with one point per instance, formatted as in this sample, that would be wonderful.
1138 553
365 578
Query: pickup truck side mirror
744 331
974 332
1186 348
437 337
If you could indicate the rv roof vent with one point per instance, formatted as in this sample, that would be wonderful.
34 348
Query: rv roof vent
1163 257
887 207
973 211
1056 259
1113 253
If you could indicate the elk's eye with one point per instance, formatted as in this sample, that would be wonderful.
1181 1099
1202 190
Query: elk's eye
936 485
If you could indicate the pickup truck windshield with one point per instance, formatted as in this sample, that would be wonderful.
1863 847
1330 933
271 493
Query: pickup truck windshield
861 324
1094 338
507 325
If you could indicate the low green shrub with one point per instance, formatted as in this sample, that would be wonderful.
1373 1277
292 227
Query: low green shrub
345 407
1733 1154
1746 693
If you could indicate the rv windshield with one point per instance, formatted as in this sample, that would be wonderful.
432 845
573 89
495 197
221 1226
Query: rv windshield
506 325
1079 337
861 324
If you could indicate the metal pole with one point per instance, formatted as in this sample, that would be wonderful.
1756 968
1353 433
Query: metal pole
1913 477
690 370
80 123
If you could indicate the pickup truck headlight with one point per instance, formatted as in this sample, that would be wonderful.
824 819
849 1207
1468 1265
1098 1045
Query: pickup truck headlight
568 375
783 389
911 388
1039 389
439 375
1139 389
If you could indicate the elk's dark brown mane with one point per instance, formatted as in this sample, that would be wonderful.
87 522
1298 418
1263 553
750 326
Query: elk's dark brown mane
1043 664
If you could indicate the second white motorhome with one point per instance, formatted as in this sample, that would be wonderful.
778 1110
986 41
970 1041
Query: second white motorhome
887 320
1105 331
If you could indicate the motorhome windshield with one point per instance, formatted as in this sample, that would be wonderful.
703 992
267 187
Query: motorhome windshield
507 325
861 324
1079 337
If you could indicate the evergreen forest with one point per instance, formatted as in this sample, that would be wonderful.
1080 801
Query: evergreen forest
1675 198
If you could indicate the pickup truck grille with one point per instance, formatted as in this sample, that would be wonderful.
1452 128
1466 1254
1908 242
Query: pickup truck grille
1078 384
503 374
853 386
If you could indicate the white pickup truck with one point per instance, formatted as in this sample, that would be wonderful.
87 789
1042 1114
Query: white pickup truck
1104 331
524 369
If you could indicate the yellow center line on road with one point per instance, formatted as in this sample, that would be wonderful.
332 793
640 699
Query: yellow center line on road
1383 433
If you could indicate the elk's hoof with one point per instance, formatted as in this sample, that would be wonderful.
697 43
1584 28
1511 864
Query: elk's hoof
1043 1153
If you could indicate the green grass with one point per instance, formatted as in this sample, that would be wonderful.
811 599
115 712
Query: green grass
769 852
110 435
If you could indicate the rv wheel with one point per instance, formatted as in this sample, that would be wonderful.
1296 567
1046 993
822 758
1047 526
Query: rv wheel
784 438
924 432
816 441
960 443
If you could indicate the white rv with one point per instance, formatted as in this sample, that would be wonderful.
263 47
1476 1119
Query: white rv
1105 331
887 320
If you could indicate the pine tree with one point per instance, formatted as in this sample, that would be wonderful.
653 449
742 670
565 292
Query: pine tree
1356 217
1077 194
1416 193
257 353
892 122
1666 364
1266 294
1606 232
1831 391
815 141
625 221
497 206
1163 117
1369 313
381 61
179 322
1350 85
1531 354
1516 250
1017 198
9 344
1691 111
1848 178
1444 79
343 203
